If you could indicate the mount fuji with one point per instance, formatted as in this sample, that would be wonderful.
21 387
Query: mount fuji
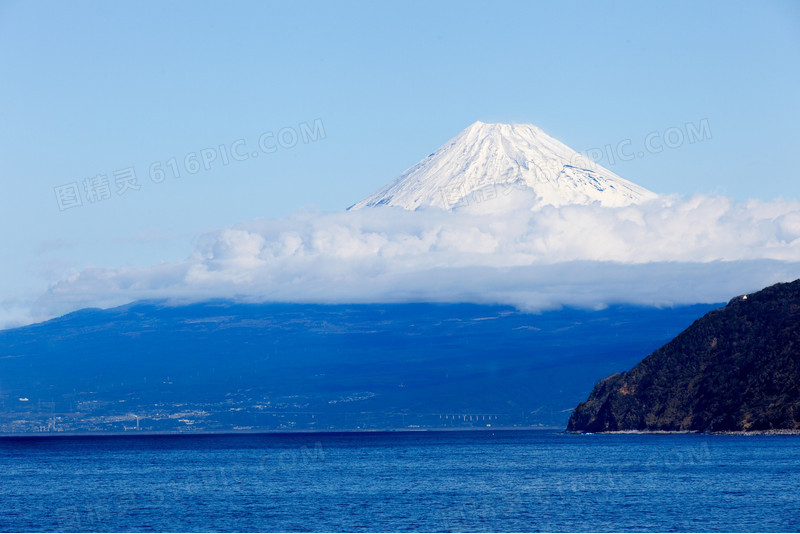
487 161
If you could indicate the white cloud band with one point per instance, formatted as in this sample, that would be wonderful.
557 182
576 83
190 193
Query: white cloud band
666 251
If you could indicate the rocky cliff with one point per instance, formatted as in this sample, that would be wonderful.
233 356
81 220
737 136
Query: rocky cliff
735 369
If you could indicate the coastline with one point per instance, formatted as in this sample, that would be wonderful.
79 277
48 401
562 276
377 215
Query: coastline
558 430
143 434
771 432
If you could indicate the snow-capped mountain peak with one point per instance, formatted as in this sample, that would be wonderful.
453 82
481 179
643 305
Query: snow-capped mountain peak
494 160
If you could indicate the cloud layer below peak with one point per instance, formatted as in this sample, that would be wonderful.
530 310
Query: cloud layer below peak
666 251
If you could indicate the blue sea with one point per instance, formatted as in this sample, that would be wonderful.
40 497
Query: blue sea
401 481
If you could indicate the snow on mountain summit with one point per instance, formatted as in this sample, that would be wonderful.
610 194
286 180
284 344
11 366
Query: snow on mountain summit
488 161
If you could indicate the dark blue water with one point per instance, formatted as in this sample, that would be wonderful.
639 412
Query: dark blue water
447 481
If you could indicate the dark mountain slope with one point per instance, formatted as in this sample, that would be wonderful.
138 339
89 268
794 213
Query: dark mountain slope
220 366
735 369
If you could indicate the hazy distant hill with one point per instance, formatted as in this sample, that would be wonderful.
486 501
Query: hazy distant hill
735 369
226 366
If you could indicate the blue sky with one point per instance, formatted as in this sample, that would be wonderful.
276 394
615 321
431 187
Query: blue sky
88 89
